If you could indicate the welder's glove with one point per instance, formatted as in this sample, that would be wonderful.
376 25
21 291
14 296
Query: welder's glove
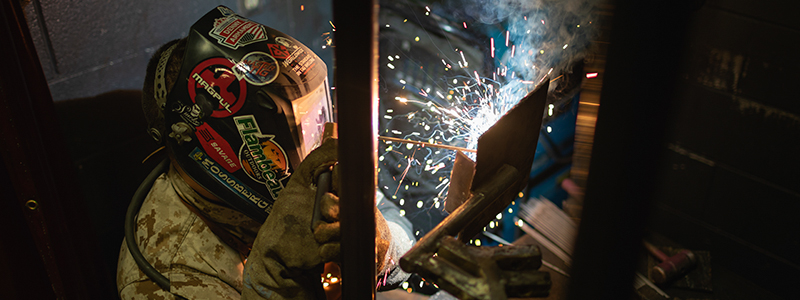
287 257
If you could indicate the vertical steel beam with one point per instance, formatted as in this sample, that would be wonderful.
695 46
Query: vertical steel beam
640 74
356 79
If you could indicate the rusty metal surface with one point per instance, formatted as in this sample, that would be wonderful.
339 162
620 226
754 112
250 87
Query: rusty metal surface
460 182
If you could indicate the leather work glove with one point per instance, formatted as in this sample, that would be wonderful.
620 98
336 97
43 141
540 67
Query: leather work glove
287 258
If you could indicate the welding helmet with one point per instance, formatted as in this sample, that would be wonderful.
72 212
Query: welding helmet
248 105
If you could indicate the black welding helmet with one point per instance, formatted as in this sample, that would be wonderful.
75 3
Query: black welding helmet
248 105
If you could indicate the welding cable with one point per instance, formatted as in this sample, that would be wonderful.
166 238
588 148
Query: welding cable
130 223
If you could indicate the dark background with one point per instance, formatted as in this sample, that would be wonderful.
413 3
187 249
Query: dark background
726 181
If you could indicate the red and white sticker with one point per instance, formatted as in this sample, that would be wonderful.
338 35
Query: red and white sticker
279 51
215 78
234 31
217 148
294 57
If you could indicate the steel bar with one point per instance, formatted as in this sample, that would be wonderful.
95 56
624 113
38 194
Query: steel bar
356 78
629 136
448 147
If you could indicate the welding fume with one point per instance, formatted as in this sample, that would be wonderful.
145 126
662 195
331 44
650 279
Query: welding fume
246 204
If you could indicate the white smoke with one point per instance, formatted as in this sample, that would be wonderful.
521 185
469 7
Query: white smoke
543 34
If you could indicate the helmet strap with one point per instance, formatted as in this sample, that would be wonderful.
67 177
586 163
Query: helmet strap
160 82
160 88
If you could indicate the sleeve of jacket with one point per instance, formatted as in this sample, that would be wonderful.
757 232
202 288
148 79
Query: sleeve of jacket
402 240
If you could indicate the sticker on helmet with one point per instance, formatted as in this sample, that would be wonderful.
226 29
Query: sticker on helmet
217 148
262 158
225 11
278 51
215 80
230 182
257 68
294 57
190 114
234 31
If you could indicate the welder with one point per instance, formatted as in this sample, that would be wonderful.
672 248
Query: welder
246 204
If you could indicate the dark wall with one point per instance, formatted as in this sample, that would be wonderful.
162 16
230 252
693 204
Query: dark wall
730 179
91 47
94 54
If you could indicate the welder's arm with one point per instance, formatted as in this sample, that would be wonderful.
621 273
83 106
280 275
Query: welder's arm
402 239
287 256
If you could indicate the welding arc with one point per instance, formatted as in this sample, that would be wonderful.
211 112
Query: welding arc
399 140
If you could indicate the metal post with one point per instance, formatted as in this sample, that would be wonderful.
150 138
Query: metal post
356 79
640 75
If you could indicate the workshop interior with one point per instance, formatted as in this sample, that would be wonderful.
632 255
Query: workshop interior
653 144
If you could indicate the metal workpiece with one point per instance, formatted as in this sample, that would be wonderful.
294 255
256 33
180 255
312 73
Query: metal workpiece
511 141
488 272
470 272
505 154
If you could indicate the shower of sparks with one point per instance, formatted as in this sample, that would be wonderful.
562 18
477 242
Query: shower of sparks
449 114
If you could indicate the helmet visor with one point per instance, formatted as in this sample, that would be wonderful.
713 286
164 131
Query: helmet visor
311 112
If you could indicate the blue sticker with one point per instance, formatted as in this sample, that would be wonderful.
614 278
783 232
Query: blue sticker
230 182
258 68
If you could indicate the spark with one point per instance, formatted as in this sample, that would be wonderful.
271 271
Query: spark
492 42
449 113
408 166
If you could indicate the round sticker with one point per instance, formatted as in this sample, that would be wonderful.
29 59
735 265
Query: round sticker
258 68
215 78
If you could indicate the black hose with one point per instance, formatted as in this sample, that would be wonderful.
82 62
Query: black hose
130 225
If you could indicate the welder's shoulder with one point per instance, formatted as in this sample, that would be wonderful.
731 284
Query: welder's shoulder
180 246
